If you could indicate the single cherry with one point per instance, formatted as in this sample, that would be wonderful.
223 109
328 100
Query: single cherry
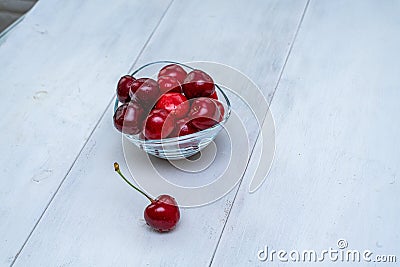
173 70
174 103
159 124
128 118
204 113
197 84
147 91
124 88
214 95
162 214
169 84
183 127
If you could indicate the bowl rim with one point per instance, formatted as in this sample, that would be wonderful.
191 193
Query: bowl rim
184 137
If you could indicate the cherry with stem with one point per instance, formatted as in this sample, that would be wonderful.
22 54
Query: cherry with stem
162 214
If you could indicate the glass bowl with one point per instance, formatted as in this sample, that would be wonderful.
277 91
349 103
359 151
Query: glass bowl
183 146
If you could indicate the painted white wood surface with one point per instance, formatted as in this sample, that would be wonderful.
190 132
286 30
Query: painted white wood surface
337 162
95 218
250 36
59 69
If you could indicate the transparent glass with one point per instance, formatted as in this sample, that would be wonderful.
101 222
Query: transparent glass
182 146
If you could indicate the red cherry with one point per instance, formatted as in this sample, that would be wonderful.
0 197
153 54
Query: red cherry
147 91
169 84
174 103
158 124
214 95
197 84
135 85
221 109
204 113
173 70
128 118
162 214
124 88
183 127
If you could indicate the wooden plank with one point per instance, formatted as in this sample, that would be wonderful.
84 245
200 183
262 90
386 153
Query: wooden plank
336 166
250 36
95 218
59 69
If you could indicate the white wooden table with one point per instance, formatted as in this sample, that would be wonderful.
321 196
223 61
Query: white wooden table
330 69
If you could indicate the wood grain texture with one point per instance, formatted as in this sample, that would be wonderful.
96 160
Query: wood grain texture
251 36
94 218
336 169
59 69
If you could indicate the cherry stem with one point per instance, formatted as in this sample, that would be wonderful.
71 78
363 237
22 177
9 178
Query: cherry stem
116 168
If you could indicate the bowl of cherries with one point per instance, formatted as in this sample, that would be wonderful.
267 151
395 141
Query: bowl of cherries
169 109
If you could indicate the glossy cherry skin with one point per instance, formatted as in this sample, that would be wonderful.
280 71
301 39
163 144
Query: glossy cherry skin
183 127
169 84
159 124
214 95
173 70
219 104
221 109
198 84
147 92
204 113
162 214
128 118
174 103
124 87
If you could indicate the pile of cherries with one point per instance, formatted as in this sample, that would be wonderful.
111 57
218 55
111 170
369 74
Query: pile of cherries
177 104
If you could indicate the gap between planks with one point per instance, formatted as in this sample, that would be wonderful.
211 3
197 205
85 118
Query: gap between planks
88 138
270 101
